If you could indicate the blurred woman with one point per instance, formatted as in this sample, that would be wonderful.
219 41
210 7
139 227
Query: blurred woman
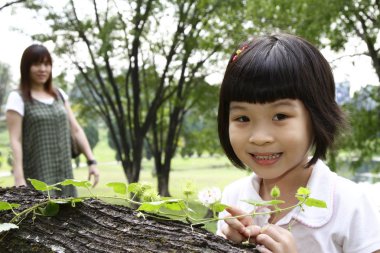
39 120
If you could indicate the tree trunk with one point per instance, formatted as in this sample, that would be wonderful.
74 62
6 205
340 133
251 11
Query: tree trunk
163 181
94 226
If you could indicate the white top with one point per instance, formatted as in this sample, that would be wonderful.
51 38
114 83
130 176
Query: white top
350 223
16 103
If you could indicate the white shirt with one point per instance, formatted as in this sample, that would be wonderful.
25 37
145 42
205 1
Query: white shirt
16 103
350 223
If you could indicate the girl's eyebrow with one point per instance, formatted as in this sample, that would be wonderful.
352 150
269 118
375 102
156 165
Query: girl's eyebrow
237 107
288 103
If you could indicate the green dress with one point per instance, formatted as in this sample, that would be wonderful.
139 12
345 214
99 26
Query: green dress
46 144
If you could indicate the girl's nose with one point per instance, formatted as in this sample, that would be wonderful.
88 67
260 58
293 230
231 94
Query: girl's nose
261 136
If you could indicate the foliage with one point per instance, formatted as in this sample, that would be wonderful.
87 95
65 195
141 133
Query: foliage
200 133
323 22
151 202
363 139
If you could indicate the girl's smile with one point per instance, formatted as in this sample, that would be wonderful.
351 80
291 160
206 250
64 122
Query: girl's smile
264 159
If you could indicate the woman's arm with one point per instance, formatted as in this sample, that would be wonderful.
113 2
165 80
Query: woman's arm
14 123
83 143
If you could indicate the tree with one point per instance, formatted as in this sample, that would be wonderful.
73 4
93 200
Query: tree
364 138
336 20
10 3
207 33
5 78
200 132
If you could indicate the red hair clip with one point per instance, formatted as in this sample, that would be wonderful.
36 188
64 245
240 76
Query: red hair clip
239 51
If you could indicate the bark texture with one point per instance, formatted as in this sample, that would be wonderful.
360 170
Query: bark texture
94 226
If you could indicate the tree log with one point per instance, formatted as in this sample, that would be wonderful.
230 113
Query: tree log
94 226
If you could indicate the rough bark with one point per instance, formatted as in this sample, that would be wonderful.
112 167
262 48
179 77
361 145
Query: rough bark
94 226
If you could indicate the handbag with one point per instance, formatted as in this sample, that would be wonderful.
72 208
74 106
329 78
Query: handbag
75 147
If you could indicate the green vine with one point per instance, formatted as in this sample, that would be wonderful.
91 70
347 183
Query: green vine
149 202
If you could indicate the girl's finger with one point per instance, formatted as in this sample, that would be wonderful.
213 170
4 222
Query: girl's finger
262 249
233 235
273 231
244 218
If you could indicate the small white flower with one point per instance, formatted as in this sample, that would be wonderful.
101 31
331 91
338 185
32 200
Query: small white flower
210 196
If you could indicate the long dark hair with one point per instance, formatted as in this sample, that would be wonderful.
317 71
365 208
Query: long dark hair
276 67
34 54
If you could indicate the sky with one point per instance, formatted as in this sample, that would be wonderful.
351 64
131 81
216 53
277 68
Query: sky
357 70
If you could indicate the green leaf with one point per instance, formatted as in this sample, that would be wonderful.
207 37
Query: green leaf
76 183
175 205
41 186
134 187
219 207
151 207
7 226
316 203
265 203
302 191
275 192
120 188
51 209
7 206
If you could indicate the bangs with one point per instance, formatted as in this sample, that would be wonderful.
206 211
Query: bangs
266 75
39 55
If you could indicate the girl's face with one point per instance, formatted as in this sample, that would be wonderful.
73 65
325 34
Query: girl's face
40 72
271 138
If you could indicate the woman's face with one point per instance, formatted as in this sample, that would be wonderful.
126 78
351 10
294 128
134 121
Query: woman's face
272 138
40 72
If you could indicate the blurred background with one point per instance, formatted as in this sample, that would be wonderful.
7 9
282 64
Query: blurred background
143 79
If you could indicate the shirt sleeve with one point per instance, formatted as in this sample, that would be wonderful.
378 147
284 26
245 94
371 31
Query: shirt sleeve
15 103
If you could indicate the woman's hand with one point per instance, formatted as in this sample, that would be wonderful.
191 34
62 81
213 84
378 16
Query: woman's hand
275 239
241 228
93 172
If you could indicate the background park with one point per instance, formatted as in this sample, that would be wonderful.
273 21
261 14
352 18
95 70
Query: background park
143 80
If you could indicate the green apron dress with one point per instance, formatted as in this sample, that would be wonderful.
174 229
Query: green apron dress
46 144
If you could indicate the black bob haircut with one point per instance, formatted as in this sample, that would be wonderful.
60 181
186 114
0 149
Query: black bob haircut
282 66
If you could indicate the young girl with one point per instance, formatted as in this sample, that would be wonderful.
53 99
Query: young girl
278 116
39 124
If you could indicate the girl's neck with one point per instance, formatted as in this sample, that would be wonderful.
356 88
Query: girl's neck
288 184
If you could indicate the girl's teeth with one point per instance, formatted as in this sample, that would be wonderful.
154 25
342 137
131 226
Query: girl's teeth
267 157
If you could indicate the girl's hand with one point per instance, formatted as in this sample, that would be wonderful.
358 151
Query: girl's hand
276 239
241 228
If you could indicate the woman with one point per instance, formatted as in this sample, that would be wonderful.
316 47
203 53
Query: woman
39 120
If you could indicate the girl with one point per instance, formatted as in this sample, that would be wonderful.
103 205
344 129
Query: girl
277 107
39 124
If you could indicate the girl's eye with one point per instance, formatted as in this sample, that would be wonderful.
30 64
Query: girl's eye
279 117
242 119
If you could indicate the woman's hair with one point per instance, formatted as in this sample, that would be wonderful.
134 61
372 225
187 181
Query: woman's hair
34 54
282 66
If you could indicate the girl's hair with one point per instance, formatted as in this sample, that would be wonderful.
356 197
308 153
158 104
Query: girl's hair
34 54
282 66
